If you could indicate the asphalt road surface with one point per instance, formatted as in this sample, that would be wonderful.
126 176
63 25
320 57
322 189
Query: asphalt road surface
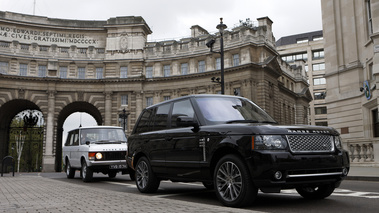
352 196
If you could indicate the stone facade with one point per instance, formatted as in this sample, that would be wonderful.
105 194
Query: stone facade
102 67
307 50
351 35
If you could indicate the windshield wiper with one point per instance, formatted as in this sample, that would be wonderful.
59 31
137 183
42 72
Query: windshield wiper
242 121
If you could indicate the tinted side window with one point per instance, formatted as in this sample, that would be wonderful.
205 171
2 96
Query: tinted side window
161 117
144 123
181 108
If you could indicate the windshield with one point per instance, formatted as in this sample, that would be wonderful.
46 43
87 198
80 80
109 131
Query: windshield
231 109
106 135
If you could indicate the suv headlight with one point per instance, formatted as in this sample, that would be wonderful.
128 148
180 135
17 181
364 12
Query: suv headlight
337 142
270 142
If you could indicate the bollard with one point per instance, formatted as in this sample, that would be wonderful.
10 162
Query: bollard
7 161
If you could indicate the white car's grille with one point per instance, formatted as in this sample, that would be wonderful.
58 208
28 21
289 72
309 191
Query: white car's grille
310 143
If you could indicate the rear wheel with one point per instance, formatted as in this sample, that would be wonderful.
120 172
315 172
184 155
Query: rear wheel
86 172
70 172
146 180
233 183
316 192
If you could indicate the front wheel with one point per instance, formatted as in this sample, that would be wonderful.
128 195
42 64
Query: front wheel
317 192
146 180
70 172
233 183
86 172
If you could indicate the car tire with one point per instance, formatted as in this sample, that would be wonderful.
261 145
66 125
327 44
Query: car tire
132 174
112 174
86 172
146 180
209 185
313 193
70 172
232 182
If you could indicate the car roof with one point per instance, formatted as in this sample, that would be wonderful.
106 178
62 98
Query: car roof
97 127
195 95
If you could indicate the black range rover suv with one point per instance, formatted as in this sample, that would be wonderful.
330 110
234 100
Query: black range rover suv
230 144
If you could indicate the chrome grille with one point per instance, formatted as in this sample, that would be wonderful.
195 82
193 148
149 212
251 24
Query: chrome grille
310 143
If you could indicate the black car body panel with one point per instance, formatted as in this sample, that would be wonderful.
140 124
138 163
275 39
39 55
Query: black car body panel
188 146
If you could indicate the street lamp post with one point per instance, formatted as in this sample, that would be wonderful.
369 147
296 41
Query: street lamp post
221 27
122 118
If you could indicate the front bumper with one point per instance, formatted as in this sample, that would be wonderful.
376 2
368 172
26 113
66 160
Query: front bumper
275 170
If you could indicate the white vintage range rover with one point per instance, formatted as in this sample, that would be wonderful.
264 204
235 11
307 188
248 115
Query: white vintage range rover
95 149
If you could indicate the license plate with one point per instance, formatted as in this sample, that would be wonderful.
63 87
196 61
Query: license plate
120 166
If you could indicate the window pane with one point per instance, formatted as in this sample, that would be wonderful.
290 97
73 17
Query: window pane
23 69
81 72
3 67
41 71
166 70
184 68
99 73
201 66
63 72
124 100
161 117
149 72
236 59
123 72
181 108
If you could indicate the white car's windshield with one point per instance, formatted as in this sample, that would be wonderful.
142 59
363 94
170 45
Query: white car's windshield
229 110
105 135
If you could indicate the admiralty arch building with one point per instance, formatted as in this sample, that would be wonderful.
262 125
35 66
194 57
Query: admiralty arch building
59 66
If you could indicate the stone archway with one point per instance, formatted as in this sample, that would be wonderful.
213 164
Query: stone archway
7 112
79 106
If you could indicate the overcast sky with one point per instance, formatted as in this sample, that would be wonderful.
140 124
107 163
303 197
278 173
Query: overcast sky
170 19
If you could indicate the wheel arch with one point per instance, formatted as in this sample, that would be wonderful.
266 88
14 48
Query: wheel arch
221 152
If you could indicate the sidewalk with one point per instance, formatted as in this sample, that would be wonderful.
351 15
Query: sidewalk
365 173
26 193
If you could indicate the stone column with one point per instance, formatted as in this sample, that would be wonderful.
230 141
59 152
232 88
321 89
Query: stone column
108 109
49 156
139 104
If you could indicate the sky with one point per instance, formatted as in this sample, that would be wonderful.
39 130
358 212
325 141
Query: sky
172 19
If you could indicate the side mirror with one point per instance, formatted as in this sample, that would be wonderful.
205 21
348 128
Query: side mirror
185 121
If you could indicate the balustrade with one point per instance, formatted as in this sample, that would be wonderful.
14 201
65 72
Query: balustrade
361 152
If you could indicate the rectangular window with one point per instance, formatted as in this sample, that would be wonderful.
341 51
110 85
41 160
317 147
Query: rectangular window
81 72
42 71
123 72
99 72
149 72
321 123
319 81
166 70
318 54
184 68
201 66
318 38
237 91
149 101
302 40
236 59
306 68
63 72
3 67
4 44
25 46
218 63
320 110
124 100
369 17
100 50
319 95
83 50
317 67
375 120
166 98
23 69
371 72
43 48
64 49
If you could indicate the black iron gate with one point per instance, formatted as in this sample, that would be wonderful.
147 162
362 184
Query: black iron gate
28 143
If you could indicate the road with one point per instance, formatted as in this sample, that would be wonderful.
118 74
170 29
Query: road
352 196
